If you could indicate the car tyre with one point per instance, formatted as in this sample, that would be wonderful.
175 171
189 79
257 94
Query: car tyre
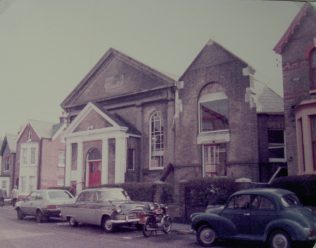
40 217
279 239
19 214
73 222
107 225
206 236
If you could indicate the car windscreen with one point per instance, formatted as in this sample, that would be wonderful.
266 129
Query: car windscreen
290 200
112 195
59 195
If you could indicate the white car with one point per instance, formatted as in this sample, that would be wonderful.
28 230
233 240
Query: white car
43 204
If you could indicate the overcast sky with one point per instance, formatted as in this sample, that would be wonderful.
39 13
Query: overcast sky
48 46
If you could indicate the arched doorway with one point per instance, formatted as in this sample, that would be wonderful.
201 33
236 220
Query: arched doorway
94 161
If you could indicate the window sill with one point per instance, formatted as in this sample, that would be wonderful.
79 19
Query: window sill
218 136
312 92
156 168
277 160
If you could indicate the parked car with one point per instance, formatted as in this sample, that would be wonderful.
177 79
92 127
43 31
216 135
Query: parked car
274 216
107 207
43 204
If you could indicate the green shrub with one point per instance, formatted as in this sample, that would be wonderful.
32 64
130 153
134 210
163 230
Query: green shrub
136 191
166 195
303 186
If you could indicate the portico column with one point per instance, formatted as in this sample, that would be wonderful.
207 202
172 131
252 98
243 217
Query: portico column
105 162
120 159
68 163
80 164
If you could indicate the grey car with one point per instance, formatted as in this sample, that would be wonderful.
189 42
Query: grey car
106 207
43 204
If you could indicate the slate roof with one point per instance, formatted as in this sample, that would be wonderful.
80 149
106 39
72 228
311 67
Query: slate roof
119 120
44 129
267 100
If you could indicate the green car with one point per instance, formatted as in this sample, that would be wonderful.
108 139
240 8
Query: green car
274 216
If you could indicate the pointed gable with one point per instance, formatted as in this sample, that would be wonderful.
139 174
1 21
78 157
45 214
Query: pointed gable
294 27
94 117
114 75
92 120
212 54
10 142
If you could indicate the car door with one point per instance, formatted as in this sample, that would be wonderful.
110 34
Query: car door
238 212
263 211
28 203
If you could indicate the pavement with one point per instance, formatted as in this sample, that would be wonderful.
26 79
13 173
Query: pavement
182 228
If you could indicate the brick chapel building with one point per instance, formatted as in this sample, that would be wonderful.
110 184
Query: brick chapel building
297 47
128 122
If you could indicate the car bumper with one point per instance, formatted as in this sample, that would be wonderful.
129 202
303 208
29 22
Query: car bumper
52 212
126 221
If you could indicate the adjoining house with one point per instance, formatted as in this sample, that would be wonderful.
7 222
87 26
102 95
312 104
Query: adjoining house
8 159
297 47
40 154
128 122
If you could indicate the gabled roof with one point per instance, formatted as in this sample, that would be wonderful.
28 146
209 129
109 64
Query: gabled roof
43 129
267 100
292 28
10 140
208 44
115 120
106 57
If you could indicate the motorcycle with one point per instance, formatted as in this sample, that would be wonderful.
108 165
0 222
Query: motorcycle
155 219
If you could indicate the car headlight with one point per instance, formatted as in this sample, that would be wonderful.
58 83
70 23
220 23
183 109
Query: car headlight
118 209
151 206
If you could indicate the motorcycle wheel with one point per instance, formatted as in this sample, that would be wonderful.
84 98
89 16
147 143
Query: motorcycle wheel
147 226
166 224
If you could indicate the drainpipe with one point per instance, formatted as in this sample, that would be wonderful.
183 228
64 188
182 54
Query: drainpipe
39 171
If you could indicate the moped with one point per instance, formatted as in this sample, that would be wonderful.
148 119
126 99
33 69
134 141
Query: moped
155 219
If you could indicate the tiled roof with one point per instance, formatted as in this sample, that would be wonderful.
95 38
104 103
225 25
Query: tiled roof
267 100
44 129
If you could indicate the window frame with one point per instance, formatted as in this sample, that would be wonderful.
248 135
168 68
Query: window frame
277 146
312 70
212 97
153 151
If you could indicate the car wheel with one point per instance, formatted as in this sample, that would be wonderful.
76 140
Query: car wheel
206 236
73 222
166 224
107 225
19 214
279 239
40 217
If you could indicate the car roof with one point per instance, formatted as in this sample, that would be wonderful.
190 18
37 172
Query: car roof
265 191
102 189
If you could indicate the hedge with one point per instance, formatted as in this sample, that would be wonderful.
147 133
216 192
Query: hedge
303 186
146 191
213 191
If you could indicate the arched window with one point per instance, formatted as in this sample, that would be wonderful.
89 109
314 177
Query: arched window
312 64
213 112
156 141
94 154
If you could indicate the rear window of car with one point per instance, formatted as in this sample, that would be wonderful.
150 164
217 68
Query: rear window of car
290 200
59 195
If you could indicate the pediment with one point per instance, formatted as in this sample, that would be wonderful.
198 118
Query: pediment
91 118
91 121
115 75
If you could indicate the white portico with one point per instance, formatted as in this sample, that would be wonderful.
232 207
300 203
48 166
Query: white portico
96 149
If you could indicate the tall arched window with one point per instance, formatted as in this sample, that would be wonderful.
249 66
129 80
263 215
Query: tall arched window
156 141
312 64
